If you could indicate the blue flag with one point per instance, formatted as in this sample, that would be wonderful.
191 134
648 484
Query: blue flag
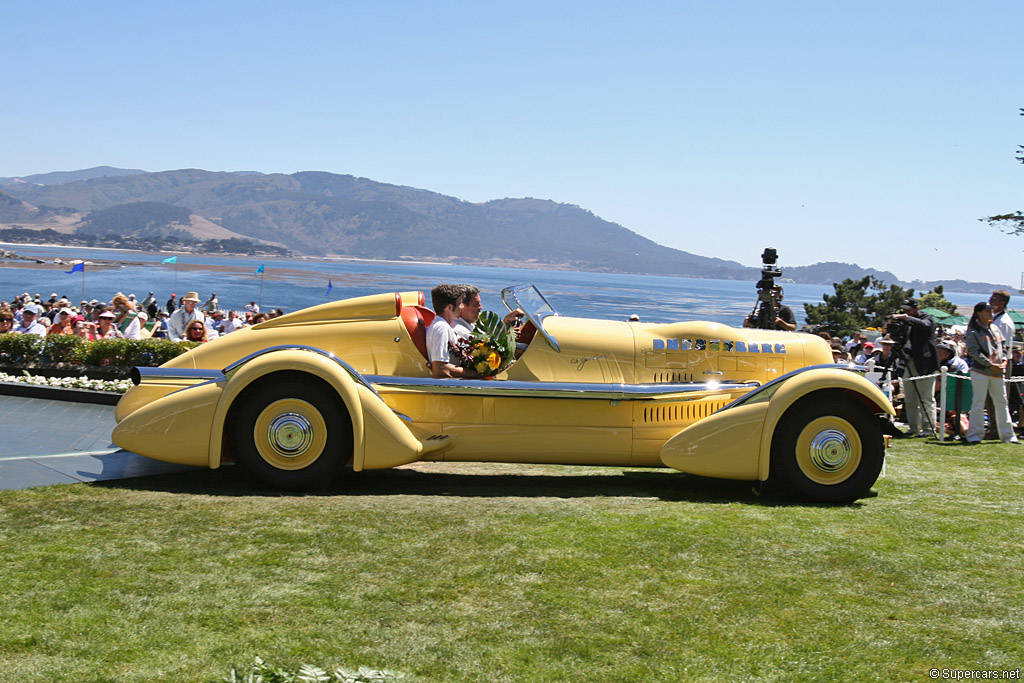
77 268
258 270
173 259
330 286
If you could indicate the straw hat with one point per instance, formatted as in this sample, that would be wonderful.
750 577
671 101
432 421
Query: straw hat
191 296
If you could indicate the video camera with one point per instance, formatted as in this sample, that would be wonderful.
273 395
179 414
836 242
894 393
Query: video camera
898 330
766 310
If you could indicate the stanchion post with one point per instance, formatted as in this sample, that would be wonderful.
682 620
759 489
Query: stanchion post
943 372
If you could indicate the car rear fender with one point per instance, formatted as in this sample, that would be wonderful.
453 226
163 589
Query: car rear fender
241 377
376 428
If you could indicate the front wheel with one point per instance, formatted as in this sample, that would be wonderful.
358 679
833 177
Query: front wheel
827 449
292 435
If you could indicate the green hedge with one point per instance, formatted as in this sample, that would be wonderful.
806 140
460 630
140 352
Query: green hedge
28 349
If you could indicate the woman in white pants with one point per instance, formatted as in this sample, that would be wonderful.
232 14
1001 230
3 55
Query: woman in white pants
988 365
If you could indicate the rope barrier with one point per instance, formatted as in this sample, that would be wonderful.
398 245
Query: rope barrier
944 374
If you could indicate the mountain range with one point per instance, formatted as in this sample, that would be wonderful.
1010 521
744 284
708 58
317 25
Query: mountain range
320 214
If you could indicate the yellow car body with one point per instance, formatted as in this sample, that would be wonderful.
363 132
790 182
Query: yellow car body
296 399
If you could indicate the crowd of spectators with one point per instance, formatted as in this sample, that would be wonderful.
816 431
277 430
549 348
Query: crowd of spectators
910 362
126 317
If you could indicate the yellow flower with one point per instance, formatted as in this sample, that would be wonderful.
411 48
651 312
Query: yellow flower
493 360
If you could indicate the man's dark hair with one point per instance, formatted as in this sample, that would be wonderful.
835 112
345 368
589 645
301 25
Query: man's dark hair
1002 294
443 296
468 292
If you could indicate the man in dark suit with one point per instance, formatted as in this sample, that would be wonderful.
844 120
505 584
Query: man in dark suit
922 360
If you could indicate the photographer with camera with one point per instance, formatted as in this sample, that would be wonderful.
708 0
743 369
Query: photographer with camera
918 332
784 318
769 312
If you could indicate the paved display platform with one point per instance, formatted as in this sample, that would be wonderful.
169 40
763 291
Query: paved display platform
60 442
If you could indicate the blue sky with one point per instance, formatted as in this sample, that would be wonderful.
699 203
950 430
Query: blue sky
872 133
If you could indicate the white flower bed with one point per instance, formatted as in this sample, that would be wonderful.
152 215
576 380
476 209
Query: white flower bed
117 386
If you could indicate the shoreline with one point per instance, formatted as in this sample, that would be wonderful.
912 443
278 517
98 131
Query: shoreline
333 258
978 287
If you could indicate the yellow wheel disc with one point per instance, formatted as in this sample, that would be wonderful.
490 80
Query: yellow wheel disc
828 450
290 434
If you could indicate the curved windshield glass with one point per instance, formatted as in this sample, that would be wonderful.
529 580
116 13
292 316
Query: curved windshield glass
528 299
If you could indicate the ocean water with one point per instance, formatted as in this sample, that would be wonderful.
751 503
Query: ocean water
292 284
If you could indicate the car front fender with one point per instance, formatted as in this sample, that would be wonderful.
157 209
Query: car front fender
811 380
735 442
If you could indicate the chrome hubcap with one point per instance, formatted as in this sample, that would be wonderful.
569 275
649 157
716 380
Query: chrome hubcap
289 434
831 450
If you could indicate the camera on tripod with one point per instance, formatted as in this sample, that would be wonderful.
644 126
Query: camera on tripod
766 310
898 330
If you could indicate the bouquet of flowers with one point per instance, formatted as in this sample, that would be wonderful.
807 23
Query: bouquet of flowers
490 348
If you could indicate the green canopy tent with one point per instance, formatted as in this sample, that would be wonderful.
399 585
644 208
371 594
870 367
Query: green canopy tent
937 315
1017 317
949 321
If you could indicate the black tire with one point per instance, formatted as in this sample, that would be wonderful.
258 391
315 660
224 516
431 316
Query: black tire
827 449
292 433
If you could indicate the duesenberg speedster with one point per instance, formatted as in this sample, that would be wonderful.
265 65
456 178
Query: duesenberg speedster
297 399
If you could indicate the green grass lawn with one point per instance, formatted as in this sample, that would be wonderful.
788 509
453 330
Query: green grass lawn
520 573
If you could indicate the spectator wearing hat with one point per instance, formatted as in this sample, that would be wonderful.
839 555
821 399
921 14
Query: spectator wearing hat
172 304
143 320
106 328
150 307
63 323
949 360
922 360
29 323
867 352
211 304
180 319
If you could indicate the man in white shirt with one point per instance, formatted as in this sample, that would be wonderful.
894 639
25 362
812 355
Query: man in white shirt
441 336
1001 320
469 309
180 319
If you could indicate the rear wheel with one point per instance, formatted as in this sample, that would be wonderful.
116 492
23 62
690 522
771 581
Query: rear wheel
292 434
827 449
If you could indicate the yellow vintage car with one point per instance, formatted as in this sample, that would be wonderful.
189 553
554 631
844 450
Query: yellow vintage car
296 400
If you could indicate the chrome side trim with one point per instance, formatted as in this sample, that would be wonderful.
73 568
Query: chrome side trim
576 390
195 374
